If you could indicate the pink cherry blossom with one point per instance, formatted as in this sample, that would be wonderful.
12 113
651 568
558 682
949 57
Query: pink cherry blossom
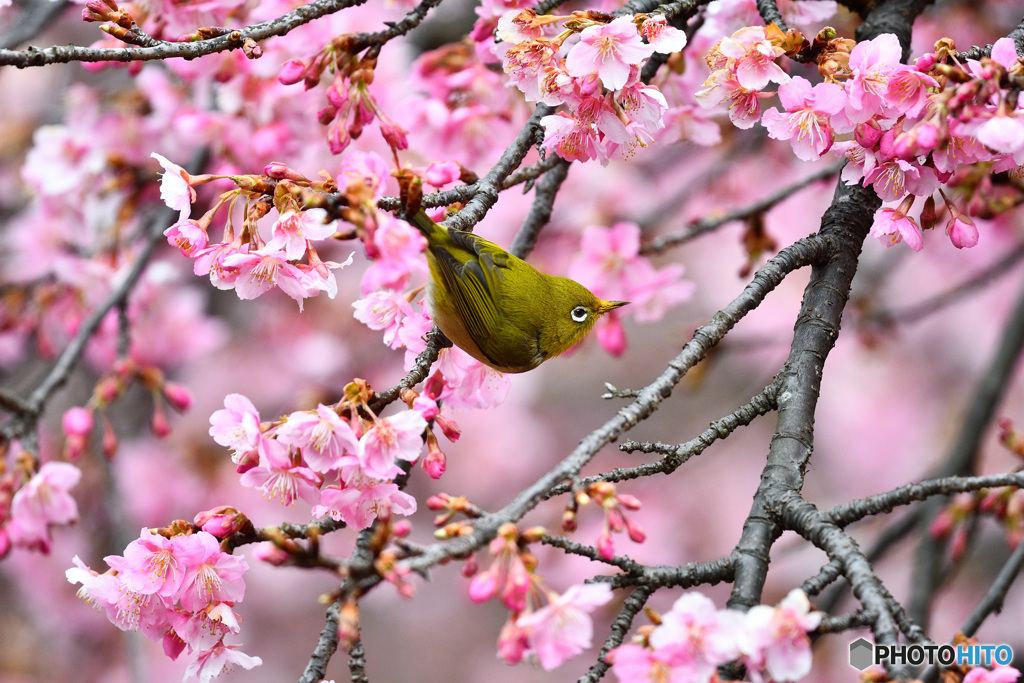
609 50
175 188
468 382
322 437
399 250
385 310
42 502
188 236
744 104
695 637
1003 134
99 591
563 628
156 564
662 37
257 272
362 499
213 576
806 121
571 139
281 477
365 170
218 659
237 426
507 577
399 437
292 230
633 663
872 64
892 226
775 638
752 58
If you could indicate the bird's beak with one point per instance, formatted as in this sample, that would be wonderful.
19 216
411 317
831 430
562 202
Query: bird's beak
606 306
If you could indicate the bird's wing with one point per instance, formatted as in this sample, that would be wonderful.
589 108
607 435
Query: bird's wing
471 277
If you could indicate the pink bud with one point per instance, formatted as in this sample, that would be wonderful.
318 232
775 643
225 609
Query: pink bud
629 502
77 422
5 543
635 531
427 407
177 396
605 548
271 554
394 135
448 427
327 114
434 464
109 439
159 424
291 72
962 232
925 62
941 525
247 461
221 522
611 335
482 587
401 529
471 566
442 173
867 134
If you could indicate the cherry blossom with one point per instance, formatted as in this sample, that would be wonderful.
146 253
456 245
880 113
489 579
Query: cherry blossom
563 628
44 501
321 436
609 50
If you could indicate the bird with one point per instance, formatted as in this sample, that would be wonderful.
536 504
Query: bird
497 307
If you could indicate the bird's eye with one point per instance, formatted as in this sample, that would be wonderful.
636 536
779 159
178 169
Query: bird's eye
579 314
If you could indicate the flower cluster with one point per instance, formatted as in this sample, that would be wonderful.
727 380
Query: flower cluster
350 104
610 111
610 265
542 626
248 262
340 464
614 506
31 506
907 128
694 638
78 421
178 588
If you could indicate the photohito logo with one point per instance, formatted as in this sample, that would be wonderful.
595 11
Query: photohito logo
864 653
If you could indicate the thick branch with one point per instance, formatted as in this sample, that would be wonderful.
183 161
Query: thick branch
846 225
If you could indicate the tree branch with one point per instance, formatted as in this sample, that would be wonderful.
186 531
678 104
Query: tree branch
232 40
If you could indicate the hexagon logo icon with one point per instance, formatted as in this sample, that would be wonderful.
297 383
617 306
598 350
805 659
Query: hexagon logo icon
861 654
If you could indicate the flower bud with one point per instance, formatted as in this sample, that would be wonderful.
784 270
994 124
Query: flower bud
291 72
271 554
77 422
177 396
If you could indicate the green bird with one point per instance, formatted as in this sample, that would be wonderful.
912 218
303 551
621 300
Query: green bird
497 307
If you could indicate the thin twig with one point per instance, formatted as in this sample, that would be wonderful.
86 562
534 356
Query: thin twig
232 40
703 225
914 312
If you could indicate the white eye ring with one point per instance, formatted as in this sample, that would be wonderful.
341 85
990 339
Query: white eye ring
579 314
